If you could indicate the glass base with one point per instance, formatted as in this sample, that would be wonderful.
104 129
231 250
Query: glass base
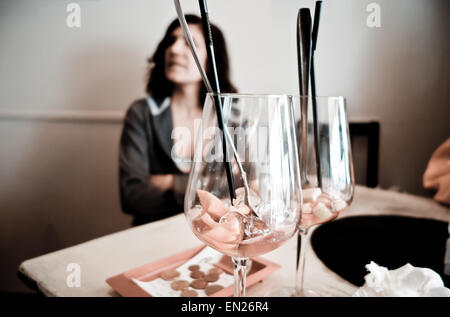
290 292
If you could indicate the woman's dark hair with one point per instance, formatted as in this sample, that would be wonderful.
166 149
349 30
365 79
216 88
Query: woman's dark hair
160 87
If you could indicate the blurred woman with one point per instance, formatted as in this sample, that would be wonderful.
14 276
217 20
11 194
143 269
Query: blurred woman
152 172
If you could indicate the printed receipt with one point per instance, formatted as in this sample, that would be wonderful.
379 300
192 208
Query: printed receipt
205 259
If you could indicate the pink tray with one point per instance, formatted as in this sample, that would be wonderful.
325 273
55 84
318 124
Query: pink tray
123 284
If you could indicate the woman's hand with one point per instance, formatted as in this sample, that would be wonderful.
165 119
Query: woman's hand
163 182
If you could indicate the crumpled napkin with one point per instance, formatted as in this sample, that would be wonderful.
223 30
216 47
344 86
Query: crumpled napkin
406 281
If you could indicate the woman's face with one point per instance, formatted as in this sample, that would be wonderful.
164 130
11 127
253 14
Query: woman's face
180 67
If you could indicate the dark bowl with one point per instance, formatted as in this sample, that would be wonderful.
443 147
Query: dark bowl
346 245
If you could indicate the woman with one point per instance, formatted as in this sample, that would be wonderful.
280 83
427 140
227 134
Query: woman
153 173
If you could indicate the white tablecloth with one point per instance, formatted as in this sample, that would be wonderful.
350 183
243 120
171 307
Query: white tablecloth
113 254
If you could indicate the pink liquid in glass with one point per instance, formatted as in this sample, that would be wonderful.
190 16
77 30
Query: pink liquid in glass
232 239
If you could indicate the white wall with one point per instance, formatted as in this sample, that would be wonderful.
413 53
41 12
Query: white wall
58 178
398 74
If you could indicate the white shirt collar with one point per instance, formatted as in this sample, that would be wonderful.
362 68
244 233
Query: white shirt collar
154 109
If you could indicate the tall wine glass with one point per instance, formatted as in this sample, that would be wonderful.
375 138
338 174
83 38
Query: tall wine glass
262 131
323 202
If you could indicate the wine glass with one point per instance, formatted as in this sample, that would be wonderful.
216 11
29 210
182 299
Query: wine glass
261 141
328 183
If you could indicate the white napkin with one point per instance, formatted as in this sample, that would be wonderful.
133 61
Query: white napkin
406 281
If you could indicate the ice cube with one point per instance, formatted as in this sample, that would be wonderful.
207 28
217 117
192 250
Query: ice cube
311 194
338 204
211 204
321 211
255 227
229 230
241 209
240 197
274 213
324 199
307 208
234 222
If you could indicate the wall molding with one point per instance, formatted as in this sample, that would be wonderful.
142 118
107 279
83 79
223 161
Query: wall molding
106 116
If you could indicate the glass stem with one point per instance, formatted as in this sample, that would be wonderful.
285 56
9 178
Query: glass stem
302 243
240 276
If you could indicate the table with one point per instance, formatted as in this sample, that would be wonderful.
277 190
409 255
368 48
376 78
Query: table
113 254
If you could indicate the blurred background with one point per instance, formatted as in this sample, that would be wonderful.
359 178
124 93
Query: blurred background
64 92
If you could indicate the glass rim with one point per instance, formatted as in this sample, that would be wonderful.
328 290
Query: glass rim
256 95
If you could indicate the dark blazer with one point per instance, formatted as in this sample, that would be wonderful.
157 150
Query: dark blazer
145 149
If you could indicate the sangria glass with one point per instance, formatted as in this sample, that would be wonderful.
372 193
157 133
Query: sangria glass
260 132
327 183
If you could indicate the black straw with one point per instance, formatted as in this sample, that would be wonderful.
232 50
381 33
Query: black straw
303 48
303 58
313 91
217 101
